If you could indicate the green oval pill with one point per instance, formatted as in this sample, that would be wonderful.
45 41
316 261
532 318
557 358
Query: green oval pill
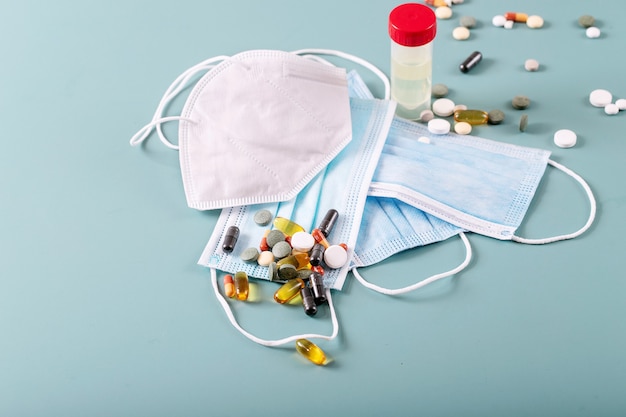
274 237
287 272
439 90
281 249
249 255
523 123
495 117
263 217
272 272
520 102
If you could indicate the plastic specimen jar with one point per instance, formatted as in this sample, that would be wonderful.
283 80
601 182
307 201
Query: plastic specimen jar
412 28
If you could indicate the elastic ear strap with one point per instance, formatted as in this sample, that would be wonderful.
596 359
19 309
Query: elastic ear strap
424 282
279 342
354 59
592 211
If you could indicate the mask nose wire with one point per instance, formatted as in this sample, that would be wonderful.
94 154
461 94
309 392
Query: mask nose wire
424 282
172 91
279 342
592 211
349 57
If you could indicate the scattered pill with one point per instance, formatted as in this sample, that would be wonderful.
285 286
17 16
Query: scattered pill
229 286
426 115
460 107
439 91
498 21
299 260
463 128
317 285
509 24
327 223
242 286
461 33
335 256
520 102
423 139
272 272
311 351
565 138
457 1
495 117
302 241
281 250
230 239
471 61
443 107
439 126
600 98
621 104
516 17
265 258
308 301
249 255
523 123
274 236
443 12
288 291
287 226
287 272
586 21
531 65
473 117
535 22
611 109
317 254
467 21
320 238
438 3
263 217
593 32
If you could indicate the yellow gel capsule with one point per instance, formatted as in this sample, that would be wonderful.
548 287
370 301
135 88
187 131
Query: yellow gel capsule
473 117
299 260
311 351
288 291
287 226
242 287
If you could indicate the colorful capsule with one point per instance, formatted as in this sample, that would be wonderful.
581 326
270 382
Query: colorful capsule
473 117
471 61
319 269
317 254
288 291
263 246
316 281
516 17
229 286
308 301
242 287
438 3
287 226
230 239
320 238
311 351
328 222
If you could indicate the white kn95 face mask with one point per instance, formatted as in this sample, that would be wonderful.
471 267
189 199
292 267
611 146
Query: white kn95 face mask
256 128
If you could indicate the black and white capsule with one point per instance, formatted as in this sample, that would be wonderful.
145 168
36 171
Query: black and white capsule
230 239
471 61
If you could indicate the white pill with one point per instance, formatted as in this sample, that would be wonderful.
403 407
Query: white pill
265 258
439 126
463 128
426 115
443 12
621 104
335 256
302 241
600 98
534 22
565 138
424 139
611 109
509 24
593 32
443 107
461 33
531 65
460 107
457 1
498 21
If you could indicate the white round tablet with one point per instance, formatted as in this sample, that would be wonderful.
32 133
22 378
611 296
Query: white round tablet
593 32
302 241
564 138
443 107
600 98
463 128
509 24
335 256
531 65
439 126
443 12
426 115
621 103
461 33
534 22
424 139
498 20
611 109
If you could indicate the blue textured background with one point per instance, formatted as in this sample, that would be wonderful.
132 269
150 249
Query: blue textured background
104 312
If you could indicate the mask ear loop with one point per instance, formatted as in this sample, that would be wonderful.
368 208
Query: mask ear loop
279 342
592 211
424 282
349 57
172 91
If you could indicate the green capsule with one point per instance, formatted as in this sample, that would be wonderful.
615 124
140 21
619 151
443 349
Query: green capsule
288 291
473 117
